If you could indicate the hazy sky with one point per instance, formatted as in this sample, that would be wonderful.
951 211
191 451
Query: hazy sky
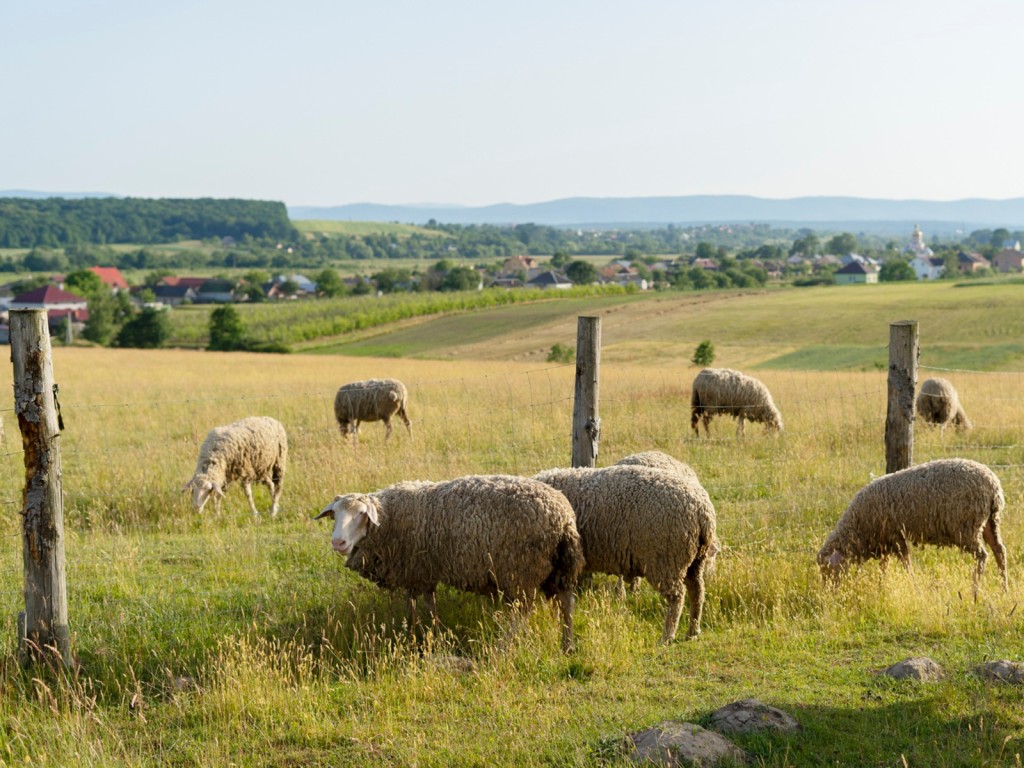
325 102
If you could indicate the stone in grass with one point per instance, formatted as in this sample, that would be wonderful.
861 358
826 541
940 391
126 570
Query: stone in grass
1001 672
684 744
917 668
749 715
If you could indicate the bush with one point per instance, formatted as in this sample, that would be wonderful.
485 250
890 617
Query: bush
704 355
560 353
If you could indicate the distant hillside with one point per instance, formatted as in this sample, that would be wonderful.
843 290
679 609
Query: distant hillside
861 214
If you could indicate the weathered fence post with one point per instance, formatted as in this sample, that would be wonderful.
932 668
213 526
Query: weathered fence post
899 419
44 629
586 425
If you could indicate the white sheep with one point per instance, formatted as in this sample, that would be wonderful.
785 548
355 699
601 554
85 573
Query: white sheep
946 503
639 521
723 391
659 460
251 450
487 534
938 403
371 400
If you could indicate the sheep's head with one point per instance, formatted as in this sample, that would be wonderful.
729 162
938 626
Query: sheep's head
832 565
353 515
202 489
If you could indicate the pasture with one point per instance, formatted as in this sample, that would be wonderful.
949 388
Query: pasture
220 640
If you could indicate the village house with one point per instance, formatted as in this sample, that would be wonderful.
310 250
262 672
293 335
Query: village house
111 277
971 262
928 267
856 272
61 307
1008 260
550 279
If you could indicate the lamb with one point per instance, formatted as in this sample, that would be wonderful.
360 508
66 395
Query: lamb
725 391
486 534
938 403
640 521
947 502
371 400
251 450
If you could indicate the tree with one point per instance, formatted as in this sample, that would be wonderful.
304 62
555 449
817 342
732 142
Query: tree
149 329
704 355
83 282
999 237
559 260
896 269
329 284
841 244
706 250
808 245
460 279
227 331
581 272
107 313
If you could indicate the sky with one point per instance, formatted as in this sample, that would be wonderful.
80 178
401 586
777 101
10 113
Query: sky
469 102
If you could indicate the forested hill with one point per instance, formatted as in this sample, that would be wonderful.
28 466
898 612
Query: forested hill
55 222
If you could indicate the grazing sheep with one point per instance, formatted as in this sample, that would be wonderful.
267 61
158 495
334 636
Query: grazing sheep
639 521
659 460
251 450
728 392
371 400
948 503
488 534
938 403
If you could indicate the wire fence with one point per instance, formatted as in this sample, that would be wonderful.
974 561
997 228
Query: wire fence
135 547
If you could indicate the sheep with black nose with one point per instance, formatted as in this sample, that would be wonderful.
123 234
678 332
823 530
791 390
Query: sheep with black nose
486 534
946 503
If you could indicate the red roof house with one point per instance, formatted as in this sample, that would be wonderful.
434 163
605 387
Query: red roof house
111 277
48 297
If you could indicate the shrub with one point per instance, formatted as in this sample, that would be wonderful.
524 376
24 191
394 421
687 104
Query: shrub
704 355
561 353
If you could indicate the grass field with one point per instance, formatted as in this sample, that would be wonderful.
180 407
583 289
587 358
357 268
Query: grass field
358 228
220 640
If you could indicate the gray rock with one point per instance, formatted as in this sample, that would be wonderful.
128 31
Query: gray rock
684 744
916 668
1001 672
748 715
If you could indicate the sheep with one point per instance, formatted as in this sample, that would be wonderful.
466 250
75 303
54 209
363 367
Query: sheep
486 534
659 460
371 400
725 391
946 502
640 521
251 450
938 403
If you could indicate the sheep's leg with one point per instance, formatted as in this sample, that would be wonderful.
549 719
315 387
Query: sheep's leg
387 428
706 418
405 420
566 601
276 481
980 555
247 487
431 603
995 543
695 591
410 609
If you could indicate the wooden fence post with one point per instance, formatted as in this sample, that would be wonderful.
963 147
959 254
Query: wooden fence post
899 419
586 425
44 629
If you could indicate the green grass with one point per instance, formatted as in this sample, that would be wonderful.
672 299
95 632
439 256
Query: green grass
216 640
359 228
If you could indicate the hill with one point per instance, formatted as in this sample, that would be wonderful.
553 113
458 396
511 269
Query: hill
862 214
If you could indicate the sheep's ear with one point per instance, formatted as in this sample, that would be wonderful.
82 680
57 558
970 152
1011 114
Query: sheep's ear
217 489
371 511
328 511
835 559
188 486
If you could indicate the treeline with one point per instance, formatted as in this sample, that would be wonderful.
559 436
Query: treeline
58 222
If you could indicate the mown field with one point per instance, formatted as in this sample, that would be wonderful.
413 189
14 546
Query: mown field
220 640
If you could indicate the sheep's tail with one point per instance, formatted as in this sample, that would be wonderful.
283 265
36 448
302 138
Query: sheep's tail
566 565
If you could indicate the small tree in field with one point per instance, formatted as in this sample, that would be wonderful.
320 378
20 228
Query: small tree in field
704 355
227 332
561 353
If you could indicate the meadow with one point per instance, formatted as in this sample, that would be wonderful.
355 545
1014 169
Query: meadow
227 640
